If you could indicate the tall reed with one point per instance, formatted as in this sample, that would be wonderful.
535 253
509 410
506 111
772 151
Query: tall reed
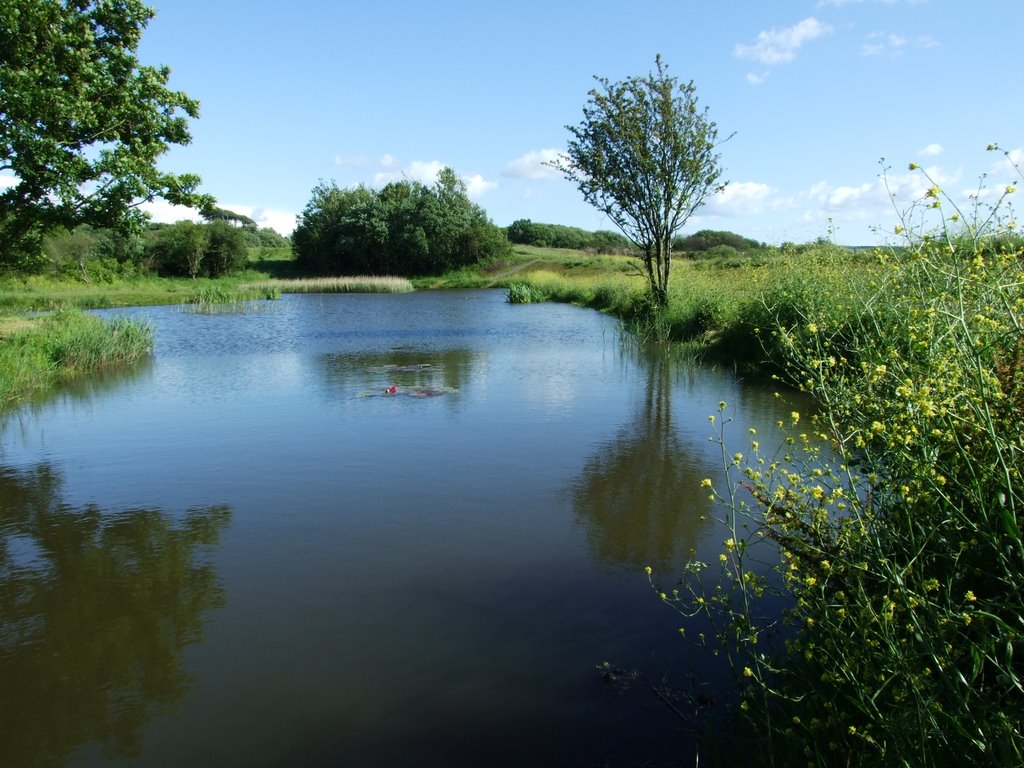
65 345
357 284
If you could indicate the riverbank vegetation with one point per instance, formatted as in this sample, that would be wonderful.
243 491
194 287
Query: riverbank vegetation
896 511
37 354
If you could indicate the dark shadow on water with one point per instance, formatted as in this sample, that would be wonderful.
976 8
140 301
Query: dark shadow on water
96 608
639 496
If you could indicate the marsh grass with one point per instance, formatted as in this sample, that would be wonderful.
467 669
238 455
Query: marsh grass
41 353
356 284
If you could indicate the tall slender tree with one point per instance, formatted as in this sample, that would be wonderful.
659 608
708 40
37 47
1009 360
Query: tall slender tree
646 156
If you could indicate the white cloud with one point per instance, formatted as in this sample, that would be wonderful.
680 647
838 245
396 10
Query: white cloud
163 212
7 181
777 46
477 185
876 201
931 150
533 166
388 161
756 78
743 198
423 171
281 221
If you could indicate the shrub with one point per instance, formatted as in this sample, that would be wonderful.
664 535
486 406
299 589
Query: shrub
896 513
523 293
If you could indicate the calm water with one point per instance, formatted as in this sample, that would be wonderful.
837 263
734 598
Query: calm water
246 553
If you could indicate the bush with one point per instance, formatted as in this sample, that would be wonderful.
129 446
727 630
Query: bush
897 513
523 293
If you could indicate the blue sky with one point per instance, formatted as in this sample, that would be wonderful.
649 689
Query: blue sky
816 92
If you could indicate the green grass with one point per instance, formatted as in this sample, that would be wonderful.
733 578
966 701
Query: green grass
356 284
38 354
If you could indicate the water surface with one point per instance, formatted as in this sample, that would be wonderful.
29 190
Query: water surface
250 552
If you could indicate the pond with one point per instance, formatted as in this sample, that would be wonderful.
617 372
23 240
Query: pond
359 530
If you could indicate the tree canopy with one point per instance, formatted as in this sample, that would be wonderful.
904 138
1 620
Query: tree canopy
82 122
405 228
645 156
526 232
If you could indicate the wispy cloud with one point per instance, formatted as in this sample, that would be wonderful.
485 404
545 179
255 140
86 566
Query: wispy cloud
778 46
894 44
881 43
931 150
533 165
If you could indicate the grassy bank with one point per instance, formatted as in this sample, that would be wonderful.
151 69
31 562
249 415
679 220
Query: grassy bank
40 353
722 310
897 509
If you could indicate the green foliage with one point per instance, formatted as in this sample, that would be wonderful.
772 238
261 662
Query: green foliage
644 155
187 249
406 228
708 239
83 122
180 249
897 512
526 232
226 250
524 293
63 346
213 213
266 237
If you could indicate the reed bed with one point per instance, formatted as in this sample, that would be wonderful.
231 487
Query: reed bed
38 354
353 284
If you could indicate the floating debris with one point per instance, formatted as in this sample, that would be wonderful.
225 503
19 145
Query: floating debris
396 391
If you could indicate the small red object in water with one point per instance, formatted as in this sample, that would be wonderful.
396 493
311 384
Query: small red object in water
392 389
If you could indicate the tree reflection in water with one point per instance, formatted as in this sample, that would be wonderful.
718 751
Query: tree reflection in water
639 497
95 609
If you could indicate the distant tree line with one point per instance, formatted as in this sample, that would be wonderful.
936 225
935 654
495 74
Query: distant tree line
706 242
526 232
405 228
219 246
714 244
